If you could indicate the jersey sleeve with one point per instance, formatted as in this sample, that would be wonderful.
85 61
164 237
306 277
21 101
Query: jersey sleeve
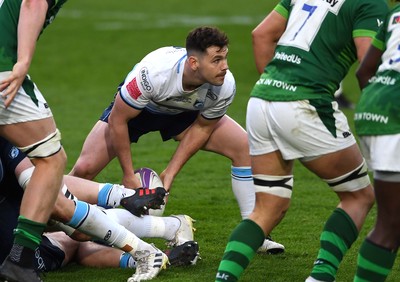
369 18
283 8
138 88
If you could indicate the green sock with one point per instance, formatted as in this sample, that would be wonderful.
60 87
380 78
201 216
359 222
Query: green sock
337 237
374 263
243 244
28 233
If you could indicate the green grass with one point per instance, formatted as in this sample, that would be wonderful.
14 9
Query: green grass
84 55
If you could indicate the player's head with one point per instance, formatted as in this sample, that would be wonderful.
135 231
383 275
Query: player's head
207 50
201 38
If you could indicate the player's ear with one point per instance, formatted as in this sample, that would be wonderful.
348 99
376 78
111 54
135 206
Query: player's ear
193 62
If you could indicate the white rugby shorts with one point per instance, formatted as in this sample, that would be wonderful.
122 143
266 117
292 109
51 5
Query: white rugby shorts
294 128
23 108
381 152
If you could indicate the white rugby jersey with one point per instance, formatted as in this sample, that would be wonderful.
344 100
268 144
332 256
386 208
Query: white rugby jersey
155 83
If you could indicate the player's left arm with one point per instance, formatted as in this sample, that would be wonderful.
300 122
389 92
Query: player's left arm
192 141
368 66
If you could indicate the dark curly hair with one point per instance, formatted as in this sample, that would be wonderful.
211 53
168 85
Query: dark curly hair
199 39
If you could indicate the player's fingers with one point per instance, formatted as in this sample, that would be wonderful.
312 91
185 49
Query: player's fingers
8 96
3 85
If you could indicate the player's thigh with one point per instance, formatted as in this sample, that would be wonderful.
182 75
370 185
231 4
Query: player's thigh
229 139
28 133
336 164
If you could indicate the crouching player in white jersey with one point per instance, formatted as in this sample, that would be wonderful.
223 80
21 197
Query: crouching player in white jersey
184 94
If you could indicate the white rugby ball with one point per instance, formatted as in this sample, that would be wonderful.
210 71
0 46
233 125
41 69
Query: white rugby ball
150 179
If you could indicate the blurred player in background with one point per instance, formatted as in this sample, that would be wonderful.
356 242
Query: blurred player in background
184 94
303 50
377 122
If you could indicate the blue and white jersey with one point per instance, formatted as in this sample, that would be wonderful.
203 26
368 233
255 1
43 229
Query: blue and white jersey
155 83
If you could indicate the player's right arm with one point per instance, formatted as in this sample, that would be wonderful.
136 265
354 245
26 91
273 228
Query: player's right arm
265 38
121 113
30 24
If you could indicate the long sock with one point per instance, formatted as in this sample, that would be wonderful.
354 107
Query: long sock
110 195
374 262
243 244
147 226
337 237
243 189
28 236
92 221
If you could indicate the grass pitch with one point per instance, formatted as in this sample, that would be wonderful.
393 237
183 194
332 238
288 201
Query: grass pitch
86 53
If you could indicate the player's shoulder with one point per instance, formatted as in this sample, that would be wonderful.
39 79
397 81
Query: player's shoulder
166 53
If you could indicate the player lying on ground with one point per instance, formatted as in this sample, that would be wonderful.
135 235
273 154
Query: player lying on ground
88 218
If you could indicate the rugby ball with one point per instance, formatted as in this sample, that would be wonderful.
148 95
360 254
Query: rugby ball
150 179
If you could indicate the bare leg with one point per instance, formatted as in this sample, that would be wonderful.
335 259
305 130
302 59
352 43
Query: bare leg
96 153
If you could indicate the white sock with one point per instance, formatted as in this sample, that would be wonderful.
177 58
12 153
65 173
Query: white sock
147 226
110 195
90 220
243 189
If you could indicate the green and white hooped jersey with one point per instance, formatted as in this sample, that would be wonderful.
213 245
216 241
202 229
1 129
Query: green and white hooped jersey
9 16
317 48
378 111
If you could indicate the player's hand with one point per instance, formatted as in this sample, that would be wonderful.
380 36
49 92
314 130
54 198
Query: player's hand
9 86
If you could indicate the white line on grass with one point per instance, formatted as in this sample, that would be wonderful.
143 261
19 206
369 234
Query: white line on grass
130 21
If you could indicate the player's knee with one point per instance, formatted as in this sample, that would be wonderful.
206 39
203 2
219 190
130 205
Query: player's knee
280 186
83 169
44 148
352 181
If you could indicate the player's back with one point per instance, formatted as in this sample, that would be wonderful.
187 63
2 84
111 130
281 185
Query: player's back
317 48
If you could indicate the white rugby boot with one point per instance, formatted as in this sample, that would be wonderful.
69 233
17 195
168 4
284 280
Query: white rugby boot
148 264
185 231
271 247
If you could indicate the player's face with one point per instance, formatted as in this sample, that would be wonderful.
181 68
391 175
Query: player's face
214 64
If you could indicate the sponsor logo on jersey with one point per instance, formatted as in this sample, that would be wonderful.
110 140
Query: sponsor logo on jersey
288 58
182 99
14 152
371 117
396 20
145 80
277 84
385 80
332 3
198 104
211 95
133 89
40 261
